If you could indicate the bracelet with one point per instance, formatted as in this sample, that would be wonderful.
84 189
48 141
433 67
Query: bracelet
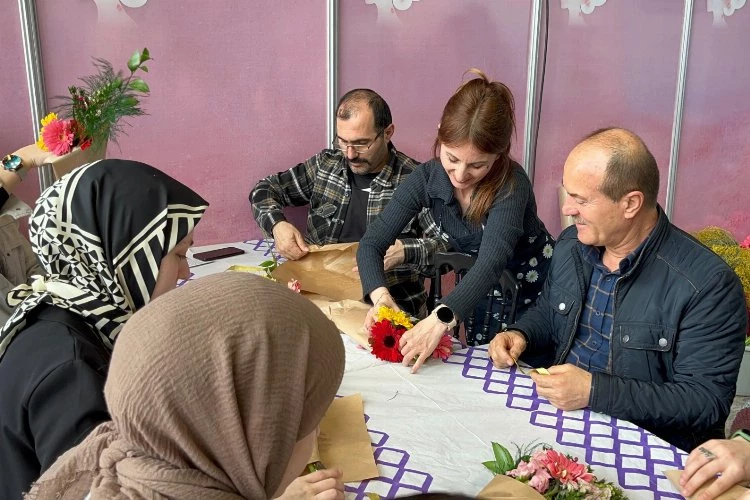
742 433
382 296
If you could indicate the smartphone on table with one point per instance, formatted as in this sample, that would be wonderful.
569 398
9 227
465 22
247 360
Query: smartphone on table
218 253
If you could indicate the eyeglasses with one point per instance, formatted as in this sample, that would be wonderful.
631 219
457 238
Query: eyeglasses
358 148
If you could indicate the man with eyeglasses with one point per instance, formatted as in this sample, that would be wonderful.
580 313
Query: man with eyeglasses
346 188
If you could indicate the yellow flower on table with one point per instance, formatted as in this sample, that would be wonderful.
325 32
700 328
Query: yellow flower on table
396 317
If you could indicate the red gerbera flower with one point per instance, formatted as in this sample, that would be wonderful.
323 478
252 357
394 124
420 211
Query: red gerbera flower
444 348
58 136
384 337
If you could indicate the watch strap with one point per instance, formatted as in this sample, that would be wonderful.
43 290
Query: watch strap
743 433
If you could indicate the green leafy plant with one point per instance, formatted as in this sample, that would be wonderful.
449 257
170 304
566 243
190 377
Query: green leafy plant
105 98
269 266
504 461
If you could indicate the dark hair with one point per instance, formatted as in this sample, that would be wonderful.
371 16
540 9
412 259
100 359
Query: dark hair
481 113
351 100
631 166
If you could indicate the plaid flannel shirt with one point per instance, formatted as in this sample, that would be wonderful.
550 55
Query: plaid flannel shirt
590 349
322 182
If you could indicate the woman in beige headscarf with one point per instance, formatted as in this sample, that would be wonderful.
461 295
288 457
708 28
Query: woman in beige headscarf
215 392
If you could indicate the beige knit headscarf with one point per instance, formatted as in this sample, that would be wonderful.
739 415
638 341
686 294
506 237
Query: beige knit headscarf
209 389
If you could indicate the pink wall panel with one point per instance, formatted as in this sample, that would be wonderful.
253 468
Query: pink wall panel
415 57
237 90
15 130
614 66
712 176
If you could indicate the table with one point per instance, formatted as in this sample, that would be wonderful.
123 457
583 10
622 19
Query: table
432 430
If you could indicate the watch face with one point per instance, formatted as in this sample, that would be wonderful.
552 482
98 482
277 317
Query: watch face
445 315
12 163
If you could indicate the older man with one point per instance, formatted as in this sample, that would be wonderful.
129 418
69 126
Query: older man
646 324
346 188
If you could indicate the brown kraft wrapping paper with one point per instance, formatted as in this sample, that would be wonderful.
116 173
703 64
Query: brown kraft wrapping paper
344 442
325 270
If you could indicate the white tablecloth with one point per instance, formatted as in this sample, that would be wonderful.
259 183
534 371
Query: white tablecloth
431 431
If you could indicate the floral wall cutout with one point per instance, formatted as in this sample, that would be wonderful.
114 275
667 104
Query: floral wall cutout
722 9
387 10
577 9
112 11
134 4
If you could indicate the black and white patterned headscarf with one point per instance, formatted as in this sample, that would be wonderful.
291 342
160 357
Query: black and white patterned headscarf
101 233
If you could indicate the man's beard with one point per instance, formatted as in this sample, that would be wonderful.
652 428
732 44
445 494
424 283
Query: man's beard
362 164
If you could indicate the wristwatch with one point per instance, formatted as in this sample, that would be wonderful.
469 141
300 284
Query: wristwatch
13 163
445 315
743 433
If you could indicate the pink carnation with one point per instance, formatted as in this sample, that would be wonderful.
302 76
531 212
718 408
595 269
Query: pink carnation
444 348
524 469
540 480
746 243
294 286
58 136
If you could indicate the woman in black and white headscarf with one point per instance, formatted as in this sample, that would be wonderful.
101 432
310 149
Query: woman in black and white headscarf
111 237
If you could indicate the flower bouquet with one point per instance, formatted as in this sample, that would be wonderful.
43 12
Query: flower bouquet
552 474
386 333
90 116
736 255
266 269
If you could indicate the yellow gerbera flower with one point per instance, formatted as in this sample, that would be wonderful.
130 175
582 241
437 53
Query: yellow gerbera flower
48 118
396 317
40 143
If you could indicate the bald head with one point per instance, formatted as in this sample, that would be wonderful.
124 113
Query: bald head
630 166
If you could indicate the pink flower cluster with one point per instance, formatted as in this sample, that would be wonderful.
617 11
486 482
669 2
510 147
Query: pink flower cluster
294 286
746 243
547 466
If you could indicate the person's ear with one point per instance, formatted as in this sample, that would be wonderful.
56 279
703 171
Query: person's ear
388 132
632 203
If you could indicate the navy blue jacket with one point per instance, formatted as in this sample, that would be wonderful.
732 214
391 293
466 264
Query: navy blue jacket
677 340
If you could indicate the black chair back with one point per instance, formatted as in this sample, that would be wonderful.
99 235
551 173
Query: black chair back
505 292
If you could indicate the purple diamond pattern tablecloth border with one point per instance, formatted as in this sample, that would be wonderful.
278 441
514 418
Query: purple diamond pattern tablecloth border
265 246
397 478
638 456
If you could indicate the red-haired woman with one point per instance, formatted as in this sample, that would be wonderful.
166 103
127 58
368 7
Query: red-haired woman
482 203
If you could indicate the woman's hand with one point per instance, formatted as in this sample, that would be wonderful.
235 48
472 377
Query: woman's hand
421 341
324 484
728 457
33 156
381 297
